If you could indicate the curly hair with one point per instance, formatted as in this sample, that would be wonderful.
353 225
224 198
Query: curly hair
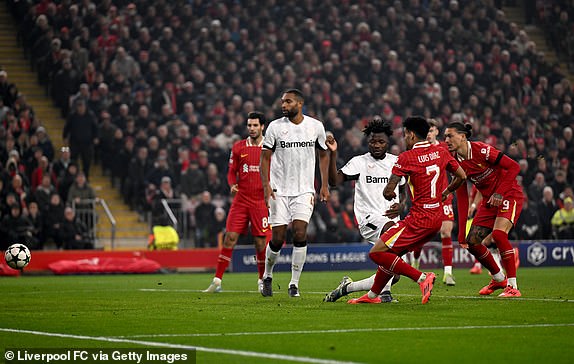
378 125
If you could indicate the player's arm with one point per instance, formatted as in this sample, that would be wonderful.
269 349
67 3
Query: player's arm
232 171
389 191
324 169
512 170
264 165
336 177
455 183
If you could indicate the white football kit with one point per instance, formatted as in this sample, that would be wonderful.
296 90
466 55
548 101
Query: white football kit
372 176
292 169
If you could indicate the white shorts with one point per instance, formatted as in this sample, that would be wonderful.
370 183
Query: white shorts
285 209
372 228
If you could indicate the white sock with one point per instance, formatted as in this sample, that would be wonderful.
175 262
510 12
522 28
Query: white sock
271 257
217 281
362 285
387 286
372 294
497 259
499 277
512 283
422 278
447 269
297 262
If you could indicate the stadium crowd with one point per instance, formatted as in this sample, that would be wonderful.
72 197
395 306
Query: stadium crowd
164 89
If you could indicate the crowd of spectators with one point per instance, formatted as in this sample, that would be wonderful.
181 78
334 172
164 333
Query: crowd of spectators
168 84
556 17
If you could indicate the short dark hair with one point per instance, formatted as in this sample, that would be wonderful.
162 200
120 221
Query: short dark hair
257 115
418 125
461 128
378 125
296 92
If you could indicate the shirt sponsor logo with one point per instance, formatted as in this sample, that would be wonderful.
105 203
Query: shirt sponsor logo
373 179
307 144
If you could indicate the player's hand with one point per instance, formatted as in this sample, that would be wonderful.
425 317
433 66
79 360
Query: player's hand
471 210
325 195
389 195
234 189
495 199
268 193
331 142
394 210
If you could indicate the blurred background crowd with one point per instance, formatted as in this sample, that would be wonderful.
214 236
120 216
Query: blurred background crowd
157 92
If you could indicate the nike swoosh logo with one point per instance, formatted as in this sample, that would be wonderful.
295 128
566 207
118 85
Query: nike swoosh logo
244 155
264 230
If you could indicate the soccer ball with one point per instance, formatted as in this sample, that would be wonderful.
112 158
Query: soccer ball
17 256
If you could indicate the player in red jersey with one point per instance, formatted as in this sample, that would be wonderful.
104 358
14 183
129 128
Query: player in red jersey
494 175
447 222
248 205
423 165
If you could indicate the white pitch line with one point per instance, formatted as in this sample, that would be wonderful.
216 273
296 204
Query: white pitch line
344 331
567 300
255 354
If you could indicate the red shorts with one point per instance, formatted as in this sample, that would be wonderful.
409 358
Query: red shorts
241 215
448 212
510 209
411 233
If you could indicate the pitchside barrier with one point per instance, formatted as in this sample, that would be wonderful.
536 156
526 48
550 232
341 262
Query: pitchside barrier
355 256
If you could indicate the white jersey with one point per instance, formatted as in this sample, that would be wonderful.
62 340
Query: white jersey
292 170
372 176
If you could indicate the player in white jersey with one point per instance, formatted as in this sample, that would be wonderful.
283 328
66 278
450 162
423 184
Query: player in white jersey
373 212
288 182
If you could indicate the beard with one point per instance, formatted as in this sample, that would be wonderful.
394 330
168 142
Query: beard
290 113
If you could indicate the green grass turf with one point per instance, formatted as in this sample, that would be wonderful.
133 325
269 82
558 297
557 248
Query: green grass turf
456 326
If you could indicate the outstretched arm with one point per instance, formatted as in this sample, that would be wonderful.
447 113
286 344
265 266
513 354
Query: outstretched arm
389 191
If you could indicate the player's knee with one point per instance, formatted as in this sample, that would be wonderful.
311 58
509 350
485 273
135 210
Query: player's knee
300 236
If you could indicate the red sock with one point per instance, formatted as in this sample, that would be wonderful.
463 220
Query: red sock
482 254
393 264
506 252
260 258
223 261
381 278
447 251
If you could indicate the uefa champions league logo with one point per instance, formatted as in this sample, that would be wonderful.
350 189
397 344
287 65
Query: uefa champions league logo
536 254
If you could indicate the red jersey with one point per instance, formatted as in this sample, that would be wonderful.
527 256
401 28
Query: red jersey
244 171
424 166
481 167
450 197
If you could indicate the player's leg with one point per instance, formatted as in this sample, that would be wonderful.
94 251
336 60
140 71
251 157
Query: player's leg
400 237
500 236
447 251
301 208
223 261
474 240
236 224
416 258
299 255
261 232
279 218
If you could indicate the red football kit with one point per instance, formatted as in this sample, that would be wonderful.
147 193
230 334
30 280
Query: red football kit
487 169
248 204
447 209
423 165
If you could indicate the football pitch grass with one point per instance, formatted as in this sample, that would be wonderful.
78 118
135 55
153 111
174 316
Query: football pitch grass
240 326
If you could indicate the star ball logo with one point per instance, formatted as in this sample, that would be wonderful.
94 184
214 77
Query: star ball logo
536 254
